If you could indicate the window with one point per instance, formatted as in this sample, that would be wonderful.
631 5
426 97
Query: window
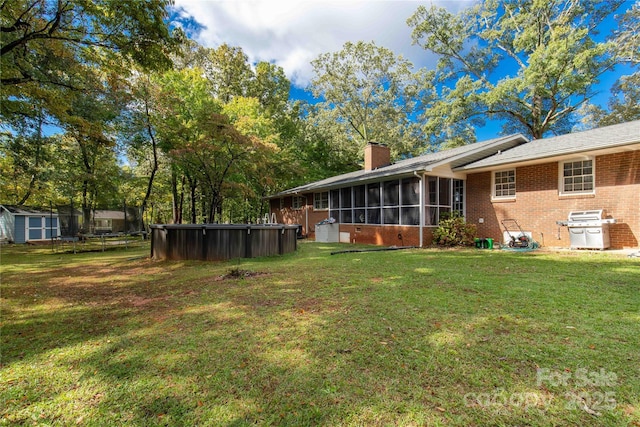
373 203
321 201
577 177
410 201
504 184
397 201
359 193
297 202
458 196
334 204
443 196
390 193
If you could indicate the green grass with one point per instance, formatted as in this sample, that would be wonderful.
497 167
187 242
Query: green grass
411 337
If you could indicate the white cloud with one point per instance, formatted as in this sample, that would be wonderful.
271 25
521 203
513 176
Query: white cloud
293 33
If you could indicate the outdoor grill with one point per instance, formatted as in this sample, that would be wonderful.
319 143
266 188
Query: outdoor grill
588 229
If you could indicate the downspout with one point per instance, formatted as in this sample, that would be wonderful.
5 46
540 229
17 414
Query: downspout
421 206
306 214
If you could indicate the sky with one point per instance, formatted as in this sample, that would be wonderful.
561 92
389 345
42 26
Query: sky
292 33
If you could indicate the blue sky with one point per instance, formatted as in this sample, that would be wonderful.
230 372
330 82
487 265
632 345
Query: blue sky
293 33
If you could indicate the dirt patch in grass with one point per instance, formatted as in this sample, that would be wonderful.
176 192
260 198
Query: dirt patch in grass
237 273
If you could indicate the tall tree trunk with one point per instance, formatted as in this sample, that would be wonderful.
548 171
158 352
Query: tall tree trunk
193 185
88 170
154 164
211 214
219 210
34 174
176 198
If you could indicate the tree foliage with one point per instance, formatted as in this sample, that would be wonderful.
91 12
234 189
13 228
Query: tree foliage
216 147
64 65
84 32
371 92
25 160
624 102
52 48
552 44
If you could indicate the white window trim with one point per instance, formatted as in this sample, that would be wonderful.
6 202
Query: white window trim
493 185
300 201
317 197
561 164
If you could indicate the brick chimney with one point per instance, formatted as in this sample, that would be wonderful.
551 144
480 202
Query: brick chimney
376 155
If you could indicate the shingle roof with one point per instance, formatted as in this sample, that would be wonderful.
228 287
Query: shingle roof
455 157
108 214
510 149
573 143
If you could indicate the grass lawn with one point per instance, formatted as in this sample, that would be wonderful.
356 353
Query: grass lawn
413 337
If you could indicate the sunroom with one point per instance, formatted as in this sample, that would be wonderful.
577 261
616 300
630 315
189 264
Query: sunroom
398 201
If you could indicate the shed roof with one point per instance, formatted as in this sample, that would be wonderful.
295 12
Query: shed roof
608 137
455 157
27 210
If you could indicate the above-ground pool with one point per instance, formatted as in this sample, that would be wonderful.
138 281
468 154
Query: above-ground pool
209 242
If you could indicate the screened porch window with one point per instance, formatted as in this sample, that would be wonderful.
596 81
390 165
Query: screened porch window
396 201
443 196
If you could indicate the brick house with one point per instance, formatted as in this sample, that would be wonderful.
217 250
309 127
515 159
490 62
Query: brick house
535 182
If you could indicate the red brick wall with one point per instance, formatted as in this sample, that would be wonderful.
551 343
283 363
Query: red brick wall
376 155
538 205
288 215
388 235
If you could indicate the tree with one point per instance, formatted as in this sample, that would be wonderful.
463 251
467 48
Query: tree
372 92
182 102
87 30
267 168
89 125
322 148
624 103
25 158
551 43
627 37
228 70
138 132
271 87
49 46
210 158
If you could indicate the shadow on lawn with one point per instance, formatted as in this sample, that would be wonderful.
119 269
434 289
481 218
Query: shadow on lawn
402 341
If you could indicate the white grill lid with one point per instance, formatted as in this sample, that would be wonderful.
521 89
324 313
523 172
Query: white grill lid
586 216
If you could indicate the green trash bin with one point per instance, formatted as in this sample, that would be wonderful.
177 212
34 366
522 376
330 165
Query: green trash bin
489 243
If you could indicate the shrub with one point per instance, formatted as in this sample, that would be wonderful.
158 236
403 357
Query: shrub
454 231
